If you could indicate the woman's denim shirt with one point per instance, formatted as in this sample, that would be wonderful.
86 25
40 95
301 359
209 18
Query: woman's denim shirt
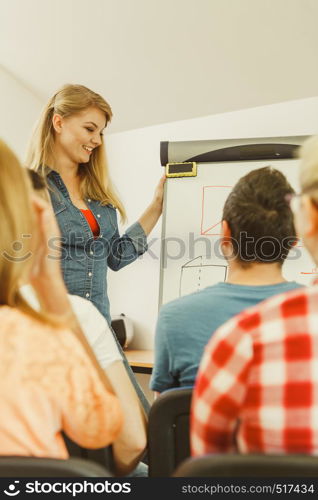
85 260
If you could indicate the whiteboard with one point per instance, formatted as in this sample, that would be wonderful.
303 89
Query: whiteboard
191 257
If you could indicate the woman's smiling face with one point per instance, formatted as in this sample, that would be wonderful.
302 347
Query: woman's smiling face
79 134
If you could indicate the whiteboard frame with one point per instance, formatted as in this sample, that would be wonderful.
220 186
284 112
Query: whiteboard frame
182 151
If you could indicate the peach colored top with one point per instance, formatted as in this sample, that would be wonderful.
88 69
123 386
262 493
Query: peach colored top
48 384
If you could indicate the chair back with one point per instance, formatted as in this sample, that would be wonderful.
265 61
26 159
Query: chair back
12 466
230 465
102 456
168 431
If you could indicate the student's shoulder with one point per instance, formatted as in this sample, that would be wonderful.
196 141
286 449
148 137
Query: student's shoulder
90 318
84 308
292 285
79 302
291 303
187 304
194 297
294 293
37 336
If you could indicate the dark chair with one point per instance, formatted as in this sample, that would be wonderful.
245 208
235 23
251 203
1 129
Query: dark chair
168 431
230 466
101 456
50 467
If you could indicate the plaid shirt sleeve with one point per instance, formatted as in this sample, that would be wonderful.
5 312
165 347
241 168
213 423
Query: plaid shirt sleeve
220 390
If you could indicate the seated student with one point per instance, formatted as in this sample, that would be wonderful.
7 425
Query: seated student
257 385
132 440
258 232
51 381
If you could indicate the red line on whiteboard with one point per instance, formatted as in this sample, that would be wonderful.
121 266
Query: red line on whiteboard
313 271
204 232
207 230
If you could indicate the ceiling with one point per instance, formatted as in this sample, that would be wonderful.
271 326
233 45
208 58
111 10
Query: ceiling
158 61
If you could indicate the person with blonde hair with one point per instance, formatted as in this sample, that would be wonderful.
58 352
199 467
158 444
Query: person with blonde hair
130 445
50 379
67 148
257 385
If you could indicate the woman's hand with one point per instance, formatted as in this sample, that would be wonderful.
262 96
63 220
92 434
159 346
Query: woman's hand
158 196
150 217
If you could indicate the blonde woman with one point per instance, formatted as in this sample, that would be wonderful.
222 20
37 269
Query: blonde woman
131 443
67 148
49 379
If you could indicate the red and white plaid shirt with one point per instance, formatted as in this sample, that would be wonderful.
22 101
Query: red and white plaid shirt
257 385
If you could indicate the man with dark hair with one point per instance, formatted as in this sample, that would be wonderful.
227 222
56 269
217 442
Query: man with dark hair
257 234
258 217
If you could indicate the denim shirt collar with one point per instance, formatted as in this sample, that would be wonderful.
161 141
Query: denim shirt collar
57 180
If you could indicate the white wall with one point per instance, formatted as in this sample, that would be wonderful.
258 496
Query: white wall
19 109
135 168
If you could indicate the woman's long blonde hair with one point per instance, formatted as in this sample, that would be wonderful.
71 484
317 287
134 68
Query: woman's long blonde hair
94 175
17 229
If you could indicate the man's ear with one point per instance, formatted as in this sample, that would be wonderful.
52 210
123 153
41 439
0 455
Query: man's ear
226 240
226 231
57 122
